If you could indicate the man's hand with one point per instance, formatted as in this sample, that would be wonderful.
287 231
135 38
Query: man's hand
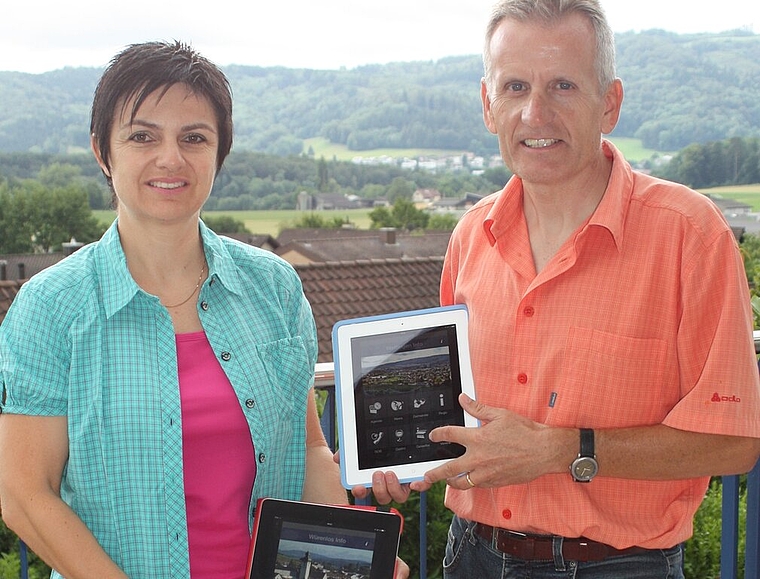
506 449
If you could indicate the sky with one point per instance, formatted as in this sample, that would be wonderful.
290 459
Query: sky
41 35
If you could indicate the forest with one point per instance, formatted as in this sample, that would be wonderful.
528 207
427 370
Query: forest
680 90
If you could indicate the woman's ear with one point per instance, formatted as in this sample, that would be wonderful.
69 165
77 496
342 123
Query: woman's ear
96 151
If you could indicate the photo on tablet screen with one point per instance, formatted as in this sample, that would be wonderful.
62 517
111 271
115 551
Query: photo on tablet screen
307 551
406 384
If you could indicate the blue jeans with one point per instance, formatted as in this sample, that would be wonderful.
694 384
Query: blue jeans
468 556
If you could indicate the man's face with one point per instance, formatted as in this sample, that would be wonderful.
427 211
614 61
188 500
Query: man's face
544 102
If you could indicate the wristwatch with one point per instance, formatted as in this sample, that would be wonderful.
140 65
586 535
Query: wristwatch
585 467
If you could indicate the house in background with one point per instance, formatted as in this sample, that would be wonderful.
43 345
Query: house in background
15 266
384 243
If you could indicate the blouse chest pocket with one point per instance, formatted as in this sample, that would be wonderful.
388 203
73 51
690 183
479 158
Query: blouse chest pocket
282 376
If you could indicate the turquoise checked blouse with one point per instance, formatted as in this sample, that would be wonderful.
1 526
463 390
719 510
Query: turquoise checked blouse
82 340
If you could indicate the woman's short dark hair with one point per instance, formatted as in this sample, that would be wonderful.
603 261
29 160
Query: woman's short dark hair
140 70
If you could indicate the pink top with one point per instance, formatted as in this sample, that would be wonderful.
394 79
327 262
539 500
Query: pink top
219 465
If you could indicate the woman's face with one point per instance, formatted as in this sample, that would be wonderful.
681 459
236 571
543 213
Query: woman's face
163 162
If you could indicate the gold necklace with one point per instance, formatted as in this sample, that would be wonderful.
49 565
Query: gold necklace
195 289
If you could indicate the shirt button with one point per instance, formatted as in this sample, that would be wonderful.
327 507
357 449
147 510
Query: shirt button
226 356
506 513
262 457
250 403
529 311
204 306
522 378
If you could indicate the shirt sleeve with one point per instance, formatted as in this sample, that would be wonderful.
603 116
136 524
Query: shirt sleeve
34 358
720 386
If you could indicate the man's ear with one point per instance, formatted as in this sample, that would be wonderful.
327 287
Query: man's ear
487 113
613 100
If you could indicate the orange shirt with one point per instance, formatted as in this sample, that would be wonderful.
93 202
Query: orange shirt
643 317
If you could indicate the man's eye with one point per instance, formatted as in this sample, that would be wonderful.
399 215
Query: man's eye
515 87
565 86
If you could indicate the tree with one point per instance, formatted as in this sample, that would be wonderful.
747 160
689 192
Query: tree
224 224
400 188
317 221
322 176
404 215
442 221
37 219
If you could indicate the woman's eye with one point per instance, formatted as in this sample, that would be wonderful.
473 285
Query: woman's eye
140 137
195 138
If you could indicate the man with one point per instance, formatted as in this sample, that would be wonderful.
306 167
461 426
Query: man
611 329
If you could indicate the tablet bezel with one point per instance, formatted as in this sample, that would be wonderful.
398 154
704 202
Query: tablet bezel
352 474
386 525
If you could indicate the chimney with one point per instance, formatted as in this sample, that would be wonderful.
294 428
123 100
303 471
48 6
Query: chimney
70 247
388 235
3 270
21 270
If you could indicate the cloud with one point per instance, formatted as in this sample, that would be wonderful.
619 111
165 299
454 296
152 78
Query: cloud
37 37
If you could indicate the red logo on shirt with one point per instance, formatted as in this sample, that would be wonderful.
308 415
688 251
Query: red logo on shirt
719 398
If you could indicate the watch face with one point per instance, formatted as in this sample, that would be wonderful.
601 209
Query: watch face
584 468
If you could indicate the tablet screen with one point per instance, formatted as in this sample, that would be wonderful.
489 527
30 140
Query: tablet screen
406 384
297 539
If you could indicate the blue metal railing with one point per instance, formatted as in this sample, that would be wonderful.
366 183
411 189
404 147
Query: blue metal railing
729 552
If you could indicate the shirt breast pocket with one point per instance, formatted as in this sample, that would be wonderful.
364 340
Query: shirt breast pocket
611 380
288 373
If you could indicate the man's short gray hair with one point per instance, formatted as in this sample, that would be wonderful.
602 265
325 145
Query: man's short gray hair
550 12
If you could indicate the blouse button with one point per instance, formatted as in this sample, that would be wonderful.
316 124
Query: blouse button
522 378
506 513
529 311
262 458
226 356
250 403
204 306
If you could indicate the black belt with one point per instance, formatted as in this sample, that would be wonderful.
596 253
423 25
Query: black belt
540 548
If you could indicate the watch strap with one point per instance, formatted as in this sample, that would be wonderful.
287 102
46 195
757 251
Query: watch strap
587 443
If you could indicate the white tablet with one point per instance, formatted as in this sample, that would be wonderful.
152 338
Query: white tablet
397 377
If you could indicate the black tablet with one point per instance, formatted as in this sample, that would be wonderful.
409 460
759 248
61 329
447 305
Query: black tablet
397 377
297 539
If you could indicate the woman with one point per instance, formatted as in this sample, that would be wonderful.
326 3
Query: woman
158 381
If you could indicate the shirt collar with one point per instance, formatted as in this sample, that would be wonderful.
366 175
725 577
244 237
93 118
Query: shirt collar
221 265
610 213
119 288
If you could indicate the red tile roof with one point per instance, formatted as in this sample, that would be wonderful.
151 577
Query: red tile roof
352 289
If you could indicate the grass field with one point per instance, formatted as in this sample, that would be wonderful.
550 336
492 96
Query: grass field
631 149
749 194
267 222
